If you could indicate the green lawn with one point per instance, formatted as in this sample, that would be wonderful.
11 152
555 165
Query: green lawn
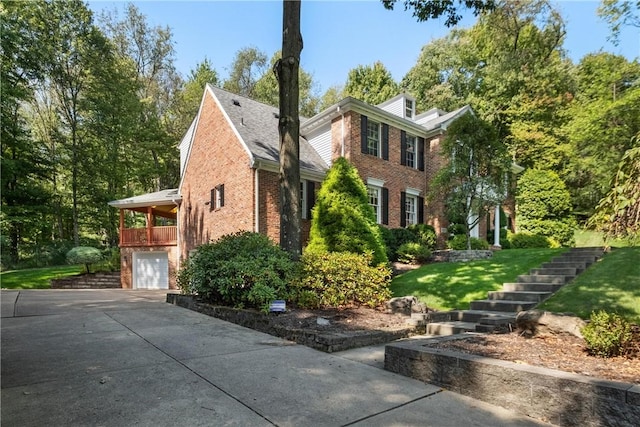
448 286
36 278
612 284
589 238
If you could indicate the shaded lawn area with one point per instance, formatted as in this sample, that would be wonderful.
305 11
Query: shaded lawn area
448 286
612 284
36 278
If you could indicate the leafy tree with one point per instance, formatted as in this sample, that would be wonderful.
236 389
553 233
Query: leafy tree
24 165
618 13
510 66
248 66
343 220
425 10
604 117
618 213
544 206
152 52
473 181
371 84
332 96
187 100
266 89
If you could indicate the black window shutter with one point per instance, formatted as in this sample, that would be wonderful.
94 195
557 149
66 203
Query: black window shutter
385 141
403 148
364 146
212 200
420 210
311 197
385 206
403 209
221 190
421 154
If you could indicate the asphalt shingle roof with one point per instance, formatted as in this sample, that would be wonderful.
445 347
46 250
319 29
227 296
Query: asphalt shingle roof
257 124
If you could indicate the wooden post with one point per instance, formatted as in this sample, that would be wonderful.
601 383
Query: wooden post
121 225
149 224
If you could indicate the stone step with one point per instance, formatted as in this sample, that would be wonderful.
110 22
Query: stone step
579 266
542 278
568 271
588 259
533 296
450 328
500 305
531 287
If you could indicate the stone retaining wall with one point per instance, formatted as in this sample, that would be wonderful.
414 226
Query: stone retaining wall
88 281
460 256
324 341
558 397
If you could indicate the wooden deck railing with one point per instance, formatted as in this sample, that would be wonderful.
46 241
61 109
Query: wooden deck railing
155 236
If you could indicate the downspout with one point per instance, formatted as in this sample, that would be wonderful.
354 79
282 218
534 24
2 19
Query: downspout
341 132
256 191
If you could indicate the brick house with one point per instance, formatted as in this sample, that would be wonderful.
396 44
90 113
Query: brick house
229 176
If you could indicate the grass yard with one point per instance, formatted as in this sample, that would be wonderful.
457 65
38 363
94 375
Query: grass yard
36 278
613 284
590 238
448 286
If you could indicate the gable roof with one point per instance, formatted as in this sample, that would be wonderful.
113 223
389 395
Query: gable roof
163 203
257 125
442 122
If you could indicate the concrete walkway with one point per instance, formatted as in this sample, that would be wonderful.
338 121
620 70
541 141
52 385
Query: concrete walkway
122 357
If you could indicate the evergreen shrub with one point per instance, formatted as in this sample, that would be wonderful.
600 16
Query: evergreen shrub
413 253
243 269
343 220
528 241
607 334
340 279
459 243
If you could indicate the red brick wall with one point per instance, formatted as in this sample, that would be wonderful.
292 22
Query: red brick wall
217 157
395 176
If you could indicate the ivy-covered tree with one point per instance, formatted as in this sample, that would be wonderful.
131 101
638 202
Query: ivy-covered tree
543 204
343 220
475 177
618 213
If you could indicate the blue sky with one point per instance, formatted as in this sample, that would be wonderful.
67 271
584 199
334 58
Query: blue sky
338 35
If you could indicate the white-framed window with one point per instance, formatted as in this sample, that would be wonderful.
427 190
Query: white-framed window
412 149
217 197
410 209
373 138
375 199
408 108
303 198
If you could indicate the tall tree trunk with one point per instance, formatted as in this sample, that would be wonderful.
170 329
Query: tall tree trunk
286 70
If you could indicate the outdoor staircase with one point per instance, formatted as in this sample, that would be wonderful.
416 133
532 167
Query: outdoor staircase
88 281
501 307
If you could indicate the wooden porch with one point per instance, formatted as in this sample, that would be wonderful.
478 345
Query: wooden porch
151 234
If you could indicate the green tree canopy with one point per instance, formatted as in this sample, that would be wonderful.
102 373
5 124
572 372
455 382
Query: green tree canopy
372 84
343 220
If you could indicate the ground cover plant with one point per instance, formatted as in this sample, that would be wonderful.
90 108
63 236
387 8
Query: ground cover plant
37 278
448 286
610 285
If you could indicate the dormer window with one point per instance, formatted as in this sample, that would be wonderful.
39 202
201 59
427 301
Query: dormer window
409 108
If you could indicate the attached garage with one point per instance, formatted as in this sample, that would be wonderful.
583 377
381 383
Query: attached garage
151 270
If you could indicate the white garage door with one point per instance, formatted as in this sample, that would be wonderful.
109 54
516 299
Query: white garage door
150 270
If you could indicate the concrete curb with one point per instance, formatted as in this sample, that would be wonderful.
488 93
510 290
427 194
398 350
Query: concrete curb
553 396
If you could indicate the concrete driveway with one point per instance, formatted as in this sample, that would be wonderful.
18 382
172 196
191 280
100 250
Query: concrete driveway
125 357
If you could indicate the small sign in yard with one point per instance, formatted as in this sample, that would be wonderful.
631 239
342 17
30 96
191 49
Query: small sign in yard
278 306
